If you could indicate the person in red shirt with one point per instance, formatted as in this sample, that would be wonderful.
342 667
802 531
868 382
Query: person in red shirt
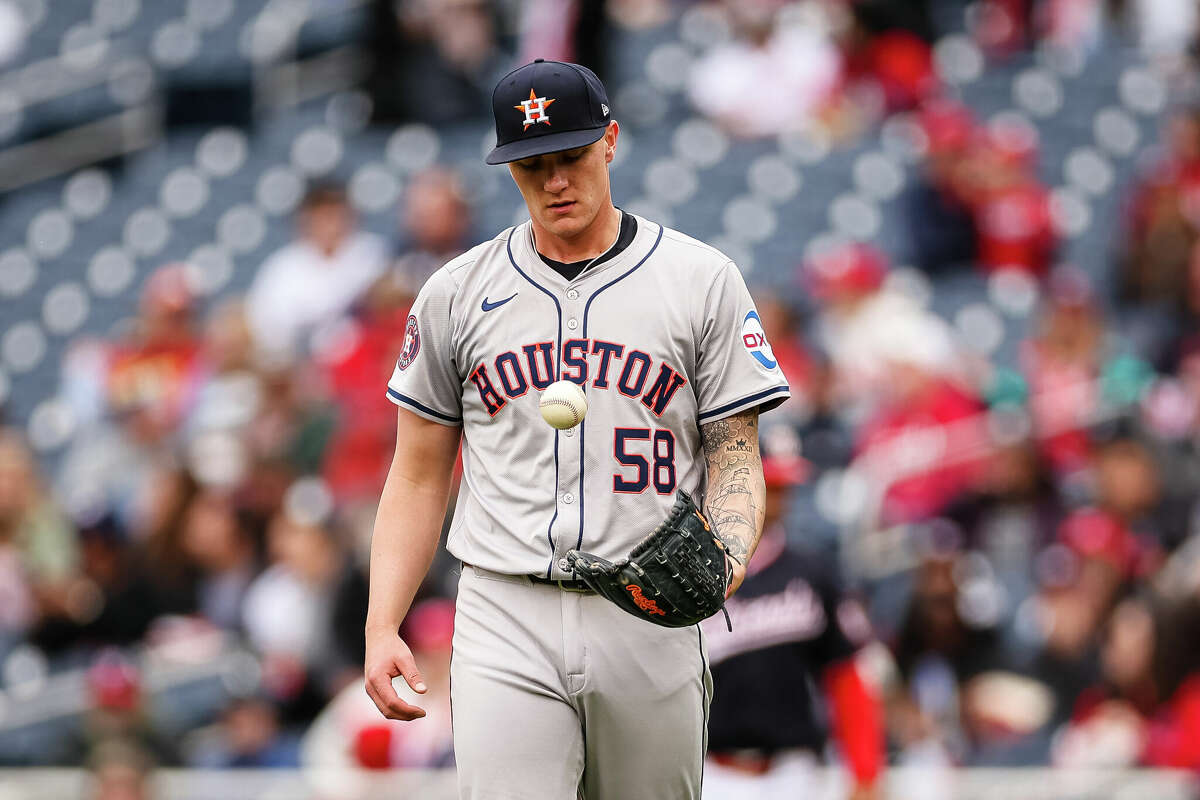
926 443
1010 205
1146 710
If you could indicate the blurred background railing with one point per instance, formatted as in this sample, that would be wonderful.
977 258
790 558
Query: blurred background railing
901 784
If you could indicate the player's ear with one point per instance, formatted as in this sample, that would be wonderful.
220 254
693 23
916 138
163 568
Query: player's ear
610 141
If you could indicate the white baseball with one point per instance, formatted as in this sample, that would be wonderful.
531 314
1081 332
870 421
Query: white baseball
563 405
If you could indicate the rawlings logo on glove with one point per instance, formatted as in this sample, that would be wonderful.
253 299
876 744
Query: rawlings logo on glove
643 602
675 577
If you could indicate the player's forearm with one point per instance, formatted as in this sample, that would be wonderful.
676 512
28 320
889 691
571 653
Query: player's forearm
409 520
407 527
736 498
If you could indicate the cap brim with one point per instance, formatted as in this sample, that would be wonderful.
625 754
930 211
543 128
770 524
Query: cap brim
546 143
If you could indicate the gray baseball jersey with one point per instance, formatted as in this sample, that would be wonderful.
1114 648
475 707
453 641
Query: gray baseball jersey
662 338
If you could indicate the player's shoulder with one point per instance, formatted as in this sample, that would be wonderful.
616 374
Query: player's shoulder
696 253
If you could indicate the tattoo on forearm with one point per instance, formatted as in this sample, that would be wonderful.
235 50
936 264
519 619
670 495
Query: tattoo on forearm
735 487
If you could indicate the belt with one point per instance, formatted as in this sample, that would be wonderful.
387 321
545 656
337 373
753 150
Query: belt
567 585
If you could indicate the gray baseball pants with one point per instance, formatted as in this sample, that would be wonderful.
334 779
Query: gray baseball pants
559 694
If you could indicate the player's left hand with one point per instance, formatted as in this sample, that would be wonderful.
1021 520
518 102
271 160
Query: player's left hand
737 574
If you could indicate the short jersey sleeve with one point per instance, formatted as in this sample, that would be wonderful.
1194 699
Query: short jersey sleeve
736 367
425 379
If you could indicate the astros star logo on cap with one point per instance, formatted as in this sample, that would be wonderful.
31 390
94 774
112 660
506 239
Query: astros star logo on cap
535 109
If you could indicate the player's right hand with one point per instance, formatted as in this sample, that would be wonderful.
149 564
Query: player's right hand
387 657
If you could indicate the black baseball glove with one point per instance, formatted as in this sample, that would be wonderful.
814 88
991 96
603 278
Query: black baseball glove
674 577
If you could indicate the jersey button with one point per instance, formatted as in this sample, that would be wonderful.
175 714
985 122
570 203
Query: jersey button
569 432
572 294
572 323
568 498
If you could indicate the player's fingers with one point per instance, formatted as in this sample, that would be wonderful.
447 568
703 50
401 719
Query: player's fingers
391 705
407 667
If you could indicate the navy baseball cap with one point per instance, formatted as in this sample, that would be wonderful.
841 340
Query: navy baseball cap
545 107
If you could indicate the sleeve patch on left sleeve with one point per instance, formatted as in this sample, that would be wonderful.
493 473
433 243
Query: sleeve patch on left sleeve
754 339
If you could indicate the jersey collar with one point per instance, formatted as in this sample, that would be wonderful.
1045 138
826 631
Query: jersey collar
527 256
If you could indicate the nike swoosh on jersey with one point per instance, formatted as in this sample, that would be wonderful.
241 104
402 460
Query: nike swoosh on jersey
489 306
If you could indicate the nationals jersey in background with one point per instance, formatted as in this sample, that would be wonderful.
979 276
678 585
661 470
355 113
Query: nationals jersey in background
663 337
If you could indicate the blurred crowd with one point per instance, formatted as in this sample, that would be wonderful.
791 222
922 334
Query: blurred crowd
222 484
1023 535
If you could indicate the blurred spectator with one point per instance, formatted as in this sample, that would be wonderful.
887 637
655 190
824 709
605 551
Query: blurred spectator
575 31
1131 486
771 76
117 712
1063 364
1164 215
981 181
354 364
38 551
1081 578
1166 30
120 770
218 542
1146 711
361 447
350 731
444 55
173 574
945 641
152 373
1003 27
1010 205
1010 511
890 61
316 278
786 679
926 442
435 224
231 395
865 329
248 735
306 611
112 601
940 222
130 397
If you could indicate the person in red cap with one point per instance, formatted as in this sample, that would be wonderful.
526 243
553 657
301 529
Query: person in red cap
795 629
940 224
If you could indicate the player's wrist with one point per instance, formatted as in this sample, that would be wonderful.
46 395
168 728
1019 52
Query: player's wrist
382 628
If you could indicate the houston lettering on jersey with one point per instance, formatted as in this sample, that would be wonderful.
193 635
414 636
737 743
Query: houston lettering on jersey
607 365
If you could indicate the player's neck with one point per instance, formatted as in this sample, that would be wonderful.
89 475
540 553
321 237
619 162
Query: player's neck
592 241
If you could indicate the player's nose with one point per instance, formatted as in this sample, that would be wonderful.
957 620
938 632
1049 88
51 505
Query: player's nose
556 182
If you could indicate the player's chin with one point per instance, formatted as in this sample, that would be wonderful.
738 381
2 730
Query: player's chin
564 224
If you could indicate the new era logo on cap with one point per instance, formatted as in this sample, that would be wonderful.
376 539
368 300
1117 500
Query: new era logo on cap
525 125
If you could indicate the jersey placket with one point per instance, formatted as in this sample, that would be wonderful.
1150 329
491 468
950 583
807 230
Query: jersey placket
569 525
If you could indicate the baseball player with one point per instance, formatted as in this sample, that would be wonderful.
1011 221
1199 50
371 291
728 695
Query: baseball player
558 691
786 677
